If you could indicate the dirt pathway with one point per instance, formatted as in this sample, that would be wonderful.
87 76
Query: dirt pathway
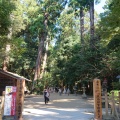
63 101
59 108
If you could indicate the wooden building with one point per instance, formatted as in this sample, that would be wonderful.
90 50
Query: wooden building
12 79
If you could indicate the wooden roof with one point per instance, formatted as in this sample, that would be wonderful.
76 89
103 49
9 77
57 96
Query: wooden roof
13 75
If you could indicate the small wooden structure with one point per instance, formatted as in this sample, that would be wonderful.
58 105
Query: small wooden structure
12 79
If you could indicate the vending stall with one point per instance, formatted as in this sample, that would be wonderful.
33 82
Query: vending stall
13 86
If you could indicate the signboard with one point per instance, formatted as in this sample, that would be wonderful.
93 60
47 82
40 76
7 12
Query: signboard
10 101
97 99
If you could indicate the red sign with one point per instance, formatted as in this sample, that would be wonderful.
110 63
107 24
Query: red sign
13 101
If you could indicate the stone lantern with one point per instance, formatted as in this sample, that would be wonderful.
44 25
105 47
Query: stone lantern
84 89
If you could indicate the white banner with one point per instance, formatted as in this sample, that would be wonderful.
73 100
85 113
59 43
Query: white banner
10 100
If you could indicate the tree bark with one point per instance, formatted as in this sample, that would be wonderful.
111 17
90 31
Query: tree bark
82 26
92 41
39 59
44 61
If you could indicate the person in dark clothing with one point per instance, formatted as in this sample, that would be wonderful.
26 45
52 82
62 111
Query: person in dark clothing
56 90
46 96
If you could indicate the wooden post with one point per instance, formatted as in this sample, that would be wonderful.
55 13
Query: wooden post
113 105
3 97
97 99
20 99
119 100
106 103
2 103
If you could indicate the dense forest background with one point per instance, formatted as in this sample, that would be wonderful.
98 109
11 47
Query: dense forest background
60 42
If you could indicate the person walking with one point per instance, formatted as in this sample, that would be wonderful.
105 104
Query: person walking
68 91
46 96
60 91
64 91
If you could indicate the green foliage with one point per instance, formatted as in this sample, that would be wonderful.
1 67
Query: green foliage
109 24
22 57
63 48
17 49
116 85
116 93
39 87
6 7
114 44
70 64
77 4
10 24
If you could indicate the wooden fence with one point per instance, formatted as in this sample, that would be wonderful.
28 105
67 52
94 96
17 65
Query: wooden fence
114 103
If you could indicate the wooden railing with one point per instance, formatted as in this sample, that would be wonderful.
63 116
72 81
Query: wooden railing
114 102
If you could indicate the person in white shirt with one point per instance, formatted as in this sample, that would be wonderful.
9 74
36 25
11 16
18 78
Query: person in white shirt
46 96
60 91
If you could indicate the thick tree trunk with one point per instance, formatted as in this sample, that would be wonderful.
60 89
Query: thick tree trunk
39 59
42 38
44 61
8 47
82 26
92 41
